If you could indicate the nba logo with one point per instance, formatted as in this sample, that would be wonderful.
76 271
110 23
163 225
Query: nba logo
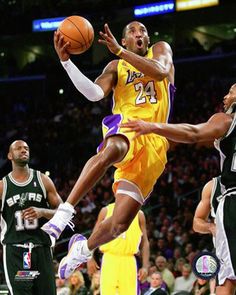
26 260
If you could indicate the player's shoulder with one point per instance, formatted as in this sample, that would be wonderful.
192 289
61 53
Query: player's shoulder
162 45
112 65
221 118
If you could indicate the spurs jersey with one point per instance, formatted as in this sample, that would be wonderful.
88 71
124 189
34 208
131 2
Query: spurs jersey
128 242
227 149
16 197
139 96
216 195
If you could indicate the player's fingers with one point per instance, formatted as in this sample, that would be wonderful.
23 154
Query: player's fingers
56 37
102 41
108 31
137 134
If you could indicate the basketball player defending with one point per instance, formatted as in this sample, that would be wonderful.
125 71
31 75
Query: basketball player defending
142 81
221 128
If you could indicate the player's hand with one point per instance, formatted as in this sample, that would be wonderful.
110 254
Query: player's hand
32 213
109 40
140 127
61 46
142 274
92 267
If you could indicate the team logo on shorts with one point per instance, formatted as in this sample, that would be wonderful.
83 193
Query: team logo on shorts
206 265
26 260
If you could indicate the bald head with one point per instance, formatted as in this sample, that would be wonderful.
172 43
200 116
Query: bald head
19 153
130 25
17 143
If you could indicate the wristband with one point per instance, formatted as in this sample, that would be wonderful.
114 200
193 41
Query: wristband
120 51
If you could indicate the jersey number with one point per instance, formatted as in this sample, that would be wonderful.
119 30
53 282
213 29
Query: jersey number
145 92
22 224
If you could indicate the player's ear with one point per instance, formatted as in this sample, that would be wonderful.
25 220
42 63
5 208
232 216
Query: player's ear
9 156
123 42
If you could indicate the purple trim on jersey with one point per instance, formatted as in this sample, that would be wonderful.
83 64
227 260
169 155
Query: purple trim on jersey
110 122
138 291
172 90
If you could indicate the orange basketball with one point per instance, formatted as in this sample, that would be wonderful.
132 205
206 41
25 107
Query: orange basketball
78 31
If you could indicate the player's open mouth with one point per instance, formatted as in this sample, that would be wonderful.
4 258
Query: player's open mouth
139 43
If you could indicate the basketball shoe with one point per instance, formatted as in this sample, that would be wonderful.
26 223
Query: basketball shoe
55 226
78 253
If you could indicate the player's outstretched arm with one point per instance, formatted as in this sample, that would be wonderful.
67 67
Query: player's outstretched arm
214 128
157 68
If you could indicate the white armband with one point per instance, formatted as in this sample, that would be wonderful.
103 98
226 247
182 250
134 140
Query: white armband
90 90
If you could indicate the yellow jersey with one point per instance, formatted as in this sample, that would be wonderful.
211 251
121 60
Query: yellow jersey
139 96
128 242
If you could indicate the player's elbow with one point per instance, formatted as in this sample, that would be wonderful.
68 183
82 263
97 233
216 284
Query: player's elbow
195 226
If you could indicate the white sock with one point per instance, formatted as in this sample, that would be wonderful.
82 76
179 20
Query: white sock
68 206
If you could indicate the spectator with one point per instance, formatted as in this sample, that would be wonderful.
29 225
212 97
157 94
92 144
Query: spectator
166 274
185 282
76 284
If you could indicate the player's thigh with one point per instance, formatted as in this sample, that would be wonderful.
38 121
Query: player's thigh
228 288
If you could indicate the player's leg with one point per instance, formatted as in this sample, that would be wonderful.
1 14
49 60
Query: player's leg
228 288
110 269
114 151
124 212
79 249
13 262
128 276
44 264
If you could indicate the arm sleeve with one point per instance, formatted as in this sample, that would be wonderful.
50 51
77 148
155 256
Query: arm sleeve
90 90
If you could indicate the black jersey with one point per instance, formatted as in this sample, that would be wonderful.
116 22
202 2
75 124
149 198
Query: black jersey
227 148
216 194
16 197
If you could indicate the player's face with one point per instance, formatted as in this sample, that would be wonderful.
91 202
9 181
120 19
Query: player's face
136 38
19 153
230 97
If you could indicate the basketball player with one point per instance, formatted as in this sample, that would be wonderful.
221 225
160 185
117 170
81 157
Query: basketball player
221 128
27 196
210 197
119 266
142 81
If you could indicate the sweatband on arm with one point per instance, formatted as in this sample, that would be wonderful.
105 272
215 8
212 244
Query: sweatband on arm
90 90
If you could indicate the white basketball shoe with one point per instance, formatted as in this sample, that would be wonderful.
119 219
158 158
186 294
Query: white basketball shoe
55 226
75 257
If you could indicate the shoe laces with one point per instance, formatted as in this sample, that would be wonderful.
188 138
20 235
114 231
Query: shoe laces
71 225
64 219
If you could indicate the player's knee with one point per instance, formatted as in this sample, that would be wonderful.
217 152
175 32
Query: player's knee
118 229
114 152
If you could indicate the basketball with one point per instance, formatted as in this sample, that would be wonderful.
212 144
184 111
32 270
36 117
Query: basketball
78 31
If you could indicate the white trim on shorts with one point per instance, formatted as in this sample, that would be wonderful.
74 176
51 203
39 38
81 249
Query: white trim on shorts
130 189
222 247
5 270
